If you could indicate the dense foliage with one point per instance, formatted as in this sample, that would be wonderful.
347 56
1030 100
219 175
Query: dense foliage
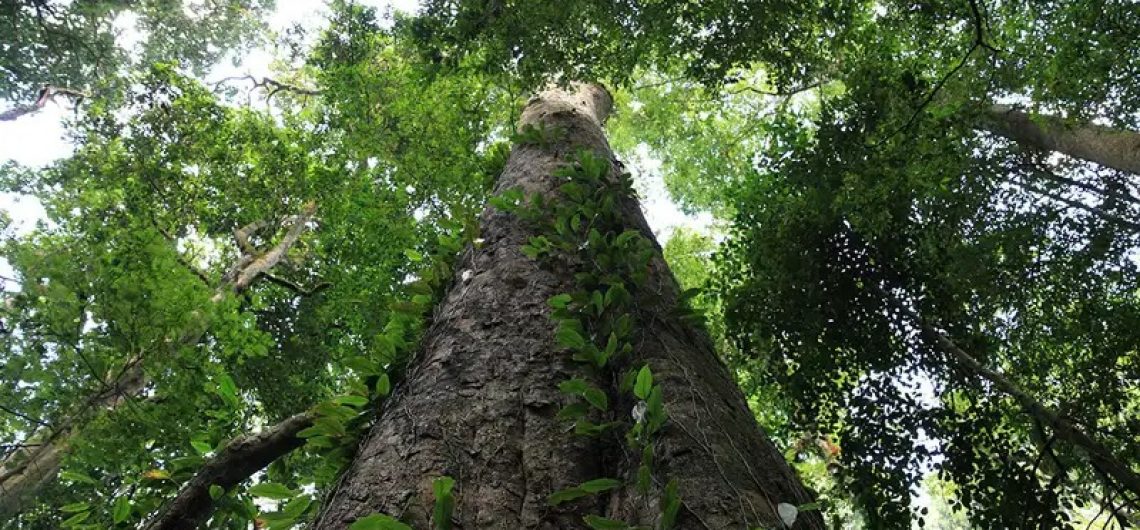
872 205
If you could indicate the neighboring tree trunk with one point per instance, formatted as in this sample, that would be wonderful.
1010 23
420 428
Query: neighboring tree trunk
36 464
479 399
1108 147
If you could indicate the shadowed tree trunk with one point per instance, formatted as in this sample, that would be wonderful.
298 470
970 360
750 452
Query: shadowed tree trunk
1108 147
480 397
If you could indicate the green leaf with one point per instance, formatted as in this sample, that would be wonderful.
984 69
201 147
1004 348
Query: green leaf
75 476
625 237
444 502
565 495
616 295
271 490
599 485
383 385
644 478
442 486
75 507
227 390
216 491
296 507
597 398
644 383
585 427
362 365
378 521
573 411
200 446
670 505
559 301
76 519
570 338
575 386
351 400
602 523
413 255
330 426
122 510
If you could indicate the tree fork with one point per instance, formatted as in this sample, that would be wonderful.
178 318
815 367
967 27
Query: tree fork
480 398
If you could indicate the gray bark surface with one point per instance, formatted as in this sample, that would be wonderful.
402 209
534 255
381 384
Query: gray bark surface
1108 147
479 399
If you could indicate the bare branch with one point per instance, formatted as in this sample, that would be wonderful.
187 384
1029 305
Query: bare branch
270 85
46 94
22 415
244 276
295 287
242 235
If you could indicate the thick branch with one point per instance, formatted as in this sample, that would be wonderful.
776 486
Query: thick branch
47 93
1120 195
1114 148
38 461
239 460
243 277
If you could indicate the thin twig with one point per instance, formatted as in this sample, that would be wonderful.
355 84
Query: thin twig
24 416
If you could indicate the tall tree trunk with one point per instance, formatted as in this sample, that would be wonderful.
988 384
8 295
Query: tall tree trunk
1108 147
480 398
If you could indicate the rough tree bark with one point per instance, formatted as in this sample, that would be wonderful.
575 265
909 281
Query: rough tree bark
26 470
1108 147
479 399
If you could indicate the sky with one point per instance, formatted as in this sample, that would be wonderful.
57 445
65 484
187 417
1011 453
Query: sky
40 139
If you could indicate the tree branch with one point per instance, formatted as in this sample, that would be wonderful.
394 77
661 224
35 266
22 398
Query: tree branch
295 287
271 86
248 271
46 94
25 470
1093 210
235 463
1097 454
22 415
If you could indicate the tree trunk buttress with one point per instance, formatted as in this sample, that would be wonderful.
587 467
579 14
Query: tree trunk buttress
1108 147
479 400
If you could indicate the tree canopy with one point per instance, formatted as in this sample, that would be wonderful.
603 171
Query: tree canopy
922 271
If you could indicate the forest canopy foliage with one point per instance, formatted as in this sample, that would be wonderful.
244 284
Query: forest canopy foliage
922 271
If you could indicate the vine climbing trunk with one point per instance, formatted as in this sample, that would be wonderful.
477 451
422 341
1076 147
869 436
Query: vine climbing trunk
480 401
